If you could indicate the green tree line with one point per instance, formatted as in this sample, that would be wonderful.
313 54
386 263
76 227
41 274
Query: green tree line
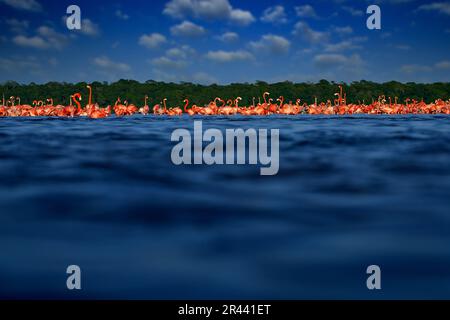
106 93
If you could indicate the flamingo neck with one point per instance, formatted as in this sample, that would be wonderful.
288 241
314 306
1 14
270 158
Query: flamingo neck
90 95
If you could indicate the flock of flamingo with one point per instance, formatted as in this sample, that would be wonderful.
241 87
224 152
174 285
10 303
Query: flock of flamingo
13 107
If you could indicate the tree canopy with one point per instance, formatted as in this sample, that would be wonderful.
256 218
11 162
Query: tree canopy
106 93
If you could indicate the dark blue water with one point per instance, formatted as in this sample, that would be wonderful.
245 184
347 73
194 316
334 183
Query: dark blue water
104 195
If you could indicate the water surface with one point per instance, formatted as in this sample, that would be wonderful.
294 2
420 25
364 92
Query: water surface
103 194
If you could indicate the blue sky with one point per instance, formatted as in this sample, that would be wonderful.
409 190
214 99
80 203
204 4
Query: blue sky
225 41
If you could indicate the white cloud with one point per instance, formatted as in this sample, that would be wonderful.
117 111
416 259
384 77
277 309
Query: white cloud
229 37
349 44
46 38
89 28
351 64
341 46
441 7
55 40
167 63
121 15
443 65
174 59
207 10
25 64
182 52
203 78
420 68
274 15
152 41
415 68
187 29
271 44
26 5
229 56
303 30
343 30
306 11
30 42
107 64
352 11
329 60
17 26
241 17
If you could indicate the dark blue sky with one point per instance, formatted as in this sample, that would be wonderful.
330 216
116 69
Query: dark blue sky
225 41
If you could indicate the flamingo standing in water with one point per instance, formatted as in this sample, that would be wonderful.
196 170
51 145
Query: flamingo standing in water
70 110
172 111
76 97
157 109
130 108
227 108
145 109
94 111
119 109
90 106
3 109
190 111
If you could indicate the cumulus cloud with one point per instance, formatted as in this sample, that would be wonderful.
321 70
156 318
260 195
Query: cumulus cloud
274 15
54 39
349 44
187 29
351 64
229 56
420 68
30 42
329 60
415 68
203 78
207 10
89 28
26 5
17 26
306 11
121 15
303 30
174 59
229 37
167 63
182 52
352 11
341 46
241 17
443 65
107 64
28 64
441 7
342 31
46 38
272 44
152 41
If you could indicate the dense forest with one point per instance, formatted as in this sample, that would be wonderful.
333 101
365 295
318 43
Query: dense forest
133 91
